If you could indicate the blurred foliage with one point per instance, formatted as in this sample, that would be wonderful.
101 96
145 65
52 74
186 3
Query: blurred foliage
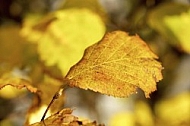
38 37
171 20
65 34
174 111
141 116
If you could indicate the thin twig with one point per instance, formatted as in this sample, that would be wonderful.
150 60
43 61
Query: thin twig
56 96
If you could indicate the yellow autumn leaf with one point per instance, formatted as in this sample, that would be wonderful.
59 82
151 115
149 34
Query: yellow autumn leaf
123 119
65 118
171 20
64 36
143 114
117 65
140 115
57 119
16 82
28 30
179 25
9 92
93 5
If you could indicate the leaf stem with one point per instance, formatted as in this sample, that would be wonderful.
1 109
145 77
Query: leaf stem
56 96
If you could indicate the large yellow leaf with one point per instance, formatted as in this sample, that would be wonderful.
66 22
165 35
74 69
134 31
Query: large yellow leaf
117 66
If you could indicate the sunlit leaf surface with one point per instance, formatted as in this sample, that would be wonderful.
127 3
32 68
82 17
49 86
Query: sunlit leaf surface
117 65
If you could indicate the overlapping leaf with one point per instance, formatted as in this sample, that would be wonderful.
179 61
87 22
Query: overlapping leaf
117 66
15 53
63 36
16 82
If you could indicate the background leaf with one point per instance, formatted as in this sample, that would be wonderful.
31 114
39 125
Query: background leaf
92 5
16 82
171 20
174 111
9 85
178 26
65 34
117 66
